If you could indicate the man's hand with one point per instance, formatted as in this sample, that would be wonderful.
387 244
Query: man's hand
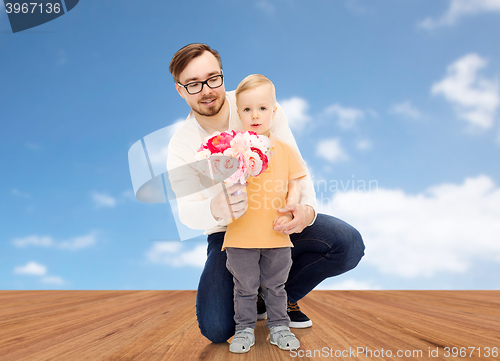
230 206
302 217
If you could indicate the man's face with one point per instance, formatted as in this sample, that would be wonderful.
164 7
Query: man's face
209 101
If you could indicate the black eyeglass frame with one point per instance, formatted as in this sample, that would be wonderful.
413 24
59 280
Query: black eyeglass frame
203 83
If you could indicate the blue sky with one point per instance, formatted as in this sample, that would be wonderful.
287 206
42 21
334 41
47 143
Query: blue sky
394 105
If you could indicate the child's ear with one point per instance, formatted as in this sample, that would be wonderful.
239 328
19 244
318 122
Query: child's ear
238 111
274 111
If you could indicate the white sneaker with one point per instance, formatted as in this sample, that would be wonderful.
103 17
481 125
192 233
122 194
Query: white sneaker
242 341
283 338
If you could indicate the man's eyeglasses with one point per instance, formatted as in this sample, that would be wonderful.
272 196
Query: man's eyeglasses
196 86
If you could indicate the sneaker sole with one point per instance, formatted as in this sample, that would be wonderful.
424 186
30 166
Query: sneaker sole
304 324
242 351
285 348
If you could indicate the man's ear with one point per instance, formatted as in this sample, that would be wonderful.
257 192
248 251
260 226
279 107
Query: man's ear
178 88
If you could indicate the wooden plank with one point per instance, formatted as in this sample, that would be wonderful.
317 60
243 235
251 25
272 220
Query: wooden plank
161 325
404 320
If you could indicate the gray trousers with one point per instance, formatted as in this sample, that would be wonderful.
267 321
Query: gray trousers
264 267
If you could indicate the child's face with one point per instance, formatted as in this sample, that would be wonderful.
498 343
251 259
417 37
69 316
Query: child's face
256 108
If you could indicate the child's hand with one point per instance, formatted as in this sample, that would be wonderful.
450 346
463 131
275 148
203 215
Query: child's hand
282 219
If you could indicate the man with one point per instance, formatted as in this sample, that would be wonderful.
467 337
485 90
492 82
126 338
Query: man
324 246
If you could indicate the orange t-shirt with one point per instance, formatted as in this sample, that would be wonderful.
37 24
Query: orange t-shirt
266 194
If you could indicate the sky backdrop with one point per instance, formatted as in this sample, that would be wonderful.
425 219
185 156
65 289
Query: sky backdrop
394 106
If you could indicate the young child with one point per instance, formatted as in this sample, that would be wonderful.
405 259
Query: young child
257 255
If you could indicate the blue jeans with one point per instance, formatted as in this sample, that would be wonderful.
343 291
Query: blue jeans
325 249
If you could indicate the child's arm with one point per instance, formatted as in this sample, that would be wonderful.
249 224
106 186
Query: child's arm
292 198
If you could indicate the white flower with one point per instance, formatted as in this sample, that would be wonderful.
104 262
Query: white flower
203 154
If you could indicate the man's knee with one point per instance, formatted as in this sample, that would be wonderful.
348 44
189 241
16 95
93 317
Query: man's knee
346 241
355 249
217 333
217 325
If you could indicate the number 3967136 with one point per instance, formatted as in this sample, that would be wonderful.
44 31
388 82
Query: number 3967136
32 8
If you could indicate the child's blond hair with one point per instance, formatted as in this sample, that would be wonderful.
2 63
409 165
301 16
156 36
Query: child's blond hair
253 81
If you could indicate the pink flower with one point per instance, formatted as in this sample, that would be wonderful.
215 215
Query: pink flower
240 143
254 163
241 174
234 156
202 154
219 143
263 158
230 152
215 163
229 166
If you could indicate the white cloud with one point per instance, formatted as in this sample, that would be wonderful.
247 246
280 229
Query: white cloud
128 195
346 117
331 150
31 268
20 194
444 229
355 6
406 109
460 8
34 240
62 57
295 109
103 200
349 284
372 113
266 6
364 144
74 243
37 269
33 146
55 280
80 242
475 98
175 254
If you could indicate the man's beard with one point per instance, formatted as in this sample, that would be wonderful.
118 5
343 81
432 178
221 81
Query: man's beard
211 111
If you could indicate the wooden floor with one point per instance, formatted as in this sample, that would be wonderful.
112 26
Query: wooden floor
161 325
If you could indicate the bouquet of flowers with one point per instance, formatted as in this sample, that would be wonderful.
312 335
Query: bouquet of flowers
234 156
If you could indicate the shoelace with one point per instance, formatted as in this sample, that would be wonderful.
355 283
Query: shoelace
292 306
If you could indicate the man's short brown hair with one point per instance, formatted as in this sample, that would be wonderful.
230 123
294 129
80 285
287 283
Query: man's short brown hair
184 55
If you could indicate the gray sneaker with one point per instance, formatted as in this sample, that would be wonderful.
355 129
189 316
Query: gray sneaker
283 338
242 341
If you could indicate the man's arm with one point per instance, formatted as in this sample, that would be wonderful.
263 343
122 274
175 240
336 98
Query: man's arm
228 204
200 204
193 200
